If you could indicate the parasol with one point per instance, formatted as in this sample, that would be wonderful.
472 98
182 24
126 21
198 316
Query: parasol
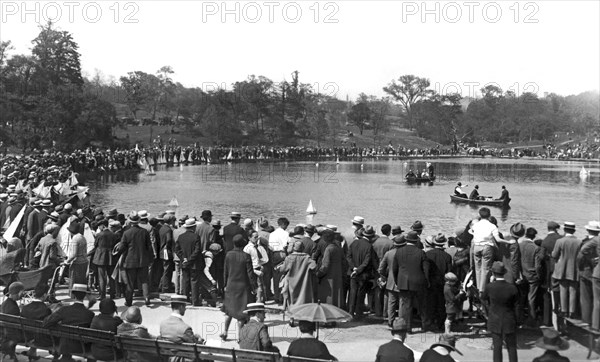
319 313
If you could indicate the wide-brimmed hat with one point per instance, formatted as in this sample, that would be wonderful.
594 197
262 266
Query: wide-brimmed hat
216 223
417 226
79 287
448 341
358 220
134 219
439 240
189 223
593 226
411 237
143 214
255 307
551 340
399 240
498 268
399 325
569 226
73 227
517 230
397 230
112 213
369 232
46 203
132 315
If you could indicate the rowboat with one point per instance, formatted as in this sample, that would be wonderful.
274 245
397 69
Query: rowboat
418 180
488 202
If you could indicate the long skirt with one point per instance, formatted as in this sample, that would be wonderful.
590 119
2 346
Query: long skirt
77 274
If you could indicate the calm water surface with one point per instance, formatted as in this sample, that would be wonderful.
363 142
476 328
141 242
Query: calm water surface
374 189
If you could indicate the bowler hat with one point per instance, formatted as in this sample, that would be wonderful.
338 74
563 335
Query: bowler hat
517 230
551 340
417 226
498 268
107 306
411 237
206 214
448 341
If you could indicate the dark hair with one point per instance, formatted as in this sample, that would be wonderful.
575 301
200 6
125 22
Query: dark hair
283 222
530 233
328 236
307 327
298 230
451 241
386 229
484 212
153 222
239 241
493 220
78 295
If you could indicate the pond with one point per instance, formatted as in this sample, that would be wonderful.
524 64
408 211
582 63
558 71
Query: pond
375 189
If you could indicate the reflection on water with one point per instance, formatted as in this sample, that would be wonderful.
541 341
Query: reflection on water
540 191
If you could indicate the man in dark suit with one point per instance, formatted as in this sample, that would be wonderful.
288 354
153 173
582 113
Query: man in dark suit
502 317
231 230
37 310
205 230
395 350
189 250
75 314
360 253
165 253
550 285
138 248
103 258
411 268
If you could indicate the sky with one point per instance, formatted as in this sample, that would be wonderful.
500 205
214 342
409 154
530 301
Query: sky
342 48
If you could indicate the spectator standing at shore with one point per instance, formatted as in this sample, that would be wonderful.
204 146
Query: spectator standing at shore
330 272
550 285
565 270
588 257
278 241
388 280
138 252
231 230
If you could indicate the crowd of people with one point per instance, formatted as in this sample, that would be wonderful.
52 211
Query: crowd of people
406 277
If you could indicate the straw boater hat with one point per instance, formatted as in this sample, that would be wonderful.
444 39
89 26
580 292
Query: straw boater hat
236 215
79 288
134 219
255 307
551 340
143 214
216 223
179 299
358 220
517 230
439 240
569 226
593 226
189 223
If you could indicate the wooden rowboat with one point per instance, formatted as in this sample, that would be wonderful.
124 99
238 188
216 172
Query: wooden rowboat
488 202
418 180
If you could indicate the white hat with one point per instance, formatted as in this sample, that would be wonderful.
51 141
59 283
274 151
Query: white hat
189 223
358 220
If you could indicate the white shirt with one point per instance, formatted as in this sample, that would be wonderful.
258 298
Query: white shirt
483 231
278 239
256 261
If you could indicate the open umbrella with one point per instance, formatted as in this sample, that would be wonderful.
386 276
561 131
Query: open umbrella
319 313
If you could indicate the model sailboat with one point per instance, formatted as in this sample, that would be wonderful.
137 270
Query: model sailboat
311 209
583 172
173 202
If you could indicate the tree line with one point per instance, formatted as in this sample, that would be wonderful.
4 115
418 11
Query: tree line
47 102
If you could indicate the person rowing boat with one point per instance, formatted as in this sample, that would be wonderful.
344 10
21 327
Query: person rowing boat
458 190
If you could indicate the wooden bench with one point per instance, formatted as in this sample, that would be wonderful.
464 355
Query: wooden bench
587 329
158 349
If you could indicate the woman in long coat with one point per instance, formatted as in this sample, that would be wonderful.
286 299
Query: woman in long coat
240 284
299 283
331 273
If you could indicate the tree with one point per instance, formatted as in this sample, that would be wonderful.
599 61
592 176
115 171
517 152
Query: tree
408 90
141 91
360 115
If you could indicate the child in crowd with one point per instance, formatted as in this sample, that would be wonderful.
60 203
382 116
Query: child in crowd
454 299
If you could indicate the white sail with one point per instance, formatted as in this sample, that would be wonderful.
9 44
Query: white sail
230 156
311 209
583 172
174 202
12 228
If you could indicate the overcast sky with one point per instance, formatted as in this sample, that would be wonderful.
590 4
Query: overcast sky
342 47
